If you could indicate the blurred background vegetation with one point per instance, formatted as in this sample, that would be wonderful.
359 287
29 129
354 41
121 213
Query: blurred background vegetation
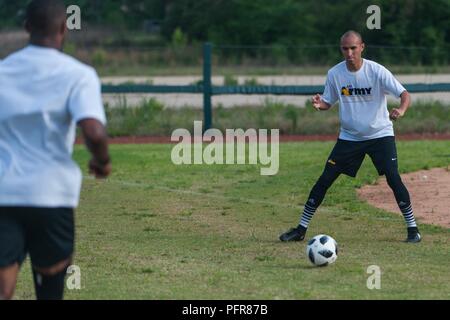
120 36
251 37
151 118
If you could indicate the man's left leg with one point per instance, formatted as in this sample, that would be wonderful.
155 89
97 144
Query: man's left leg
404 203
384 157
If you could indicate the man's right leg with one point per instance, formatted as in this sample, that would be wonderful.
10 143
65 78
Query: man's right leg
8 279
51 242
316 196
12 250
49 282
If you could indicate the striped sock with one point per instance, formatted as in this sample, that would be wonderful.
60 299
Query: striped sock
408 214
308 213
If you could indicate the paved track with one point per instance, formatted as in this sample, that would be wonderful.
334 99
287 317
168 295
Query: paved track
196 100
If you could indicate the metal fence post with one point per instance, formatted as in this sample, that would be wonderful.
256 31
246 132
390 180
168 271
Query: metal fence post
207 90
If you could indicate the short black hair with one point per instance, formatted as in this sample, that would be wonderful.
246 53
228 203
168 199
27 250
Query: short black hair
44 17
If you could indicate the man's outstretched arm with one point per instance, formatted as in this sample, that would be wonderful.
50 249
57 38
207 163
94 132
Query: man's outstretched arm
96 140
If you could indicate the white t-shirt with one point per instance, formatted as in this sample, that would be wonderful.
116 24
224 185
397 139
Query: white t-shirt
43 94
363 109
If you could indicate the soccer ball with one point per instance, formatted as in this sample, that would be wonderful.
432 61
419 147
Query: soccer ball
322 250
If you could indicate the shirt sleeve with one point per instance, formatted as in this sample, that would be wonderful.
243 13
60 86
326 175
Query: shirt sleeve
390 84
85 100
330 93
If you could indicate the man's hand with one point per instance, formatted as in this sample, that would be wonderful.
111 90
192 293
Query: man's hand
405 101
396 113
99 170
316 101
96 140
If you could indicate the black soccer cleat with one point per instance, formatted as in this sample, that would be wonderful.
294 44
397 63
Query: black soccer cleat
294 234
413 235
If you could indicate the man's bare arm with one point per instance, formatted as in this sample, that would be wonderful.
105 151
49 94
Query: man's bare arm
319 104
405 101
96 140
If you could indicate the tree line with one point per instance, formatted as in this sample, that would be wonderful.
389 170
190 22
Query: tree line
414 30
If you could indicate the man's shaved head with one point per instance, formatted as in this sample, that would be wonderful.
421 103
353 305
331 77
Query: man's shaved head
44 18
352 47
352 33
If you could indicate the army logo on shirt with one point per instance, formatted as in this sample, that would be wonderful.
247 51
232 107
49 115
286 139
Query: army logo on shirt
350 91
356 93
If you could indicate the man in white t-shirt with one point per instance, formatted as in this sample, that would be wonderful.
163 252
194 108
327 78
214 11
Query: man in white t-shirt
360 86
44 95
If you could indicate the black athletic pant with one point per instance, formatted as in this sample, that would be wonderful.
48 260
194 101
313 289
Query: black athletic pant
347 157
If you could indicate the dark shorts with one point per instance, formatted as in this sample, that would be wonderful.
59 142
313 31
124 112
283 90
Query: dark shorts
347 156
46 234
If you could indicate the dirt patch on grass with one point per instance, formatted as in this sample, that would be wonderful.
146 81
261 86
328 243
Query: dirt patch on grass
429 191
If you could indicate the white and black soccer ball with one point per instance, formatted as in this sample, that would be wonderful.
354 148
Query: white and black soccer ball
322 250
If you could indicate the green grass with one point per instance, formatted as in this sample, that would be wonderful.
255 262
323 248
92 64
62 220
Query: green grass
160 231
151 117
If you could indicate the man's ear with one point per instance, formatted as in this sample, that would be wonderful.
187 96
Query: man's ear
63 28
362 46
26 26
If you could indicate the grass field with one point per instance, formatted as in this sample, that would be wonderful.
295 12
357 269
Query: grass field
160 231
